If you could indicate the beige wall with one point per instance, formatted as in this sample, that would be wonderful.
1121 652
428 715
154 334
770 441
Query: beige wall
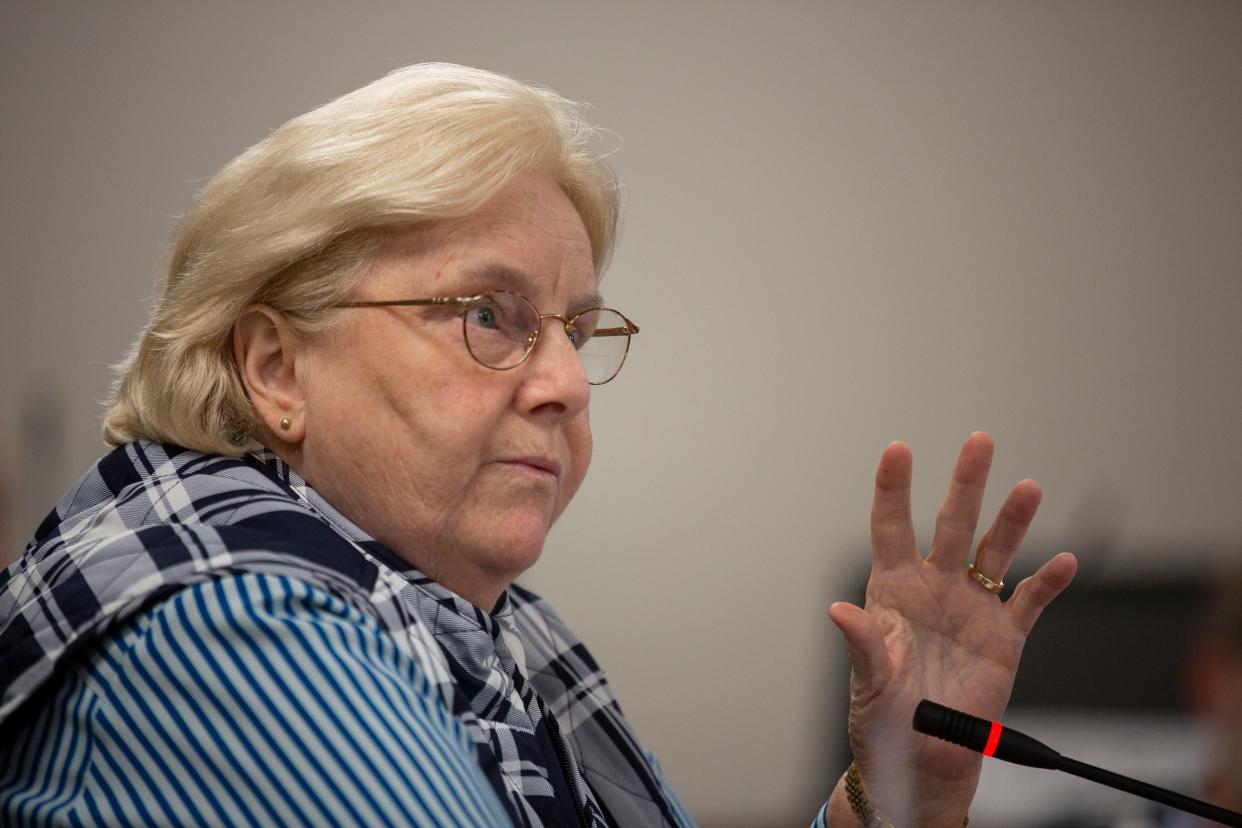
847 223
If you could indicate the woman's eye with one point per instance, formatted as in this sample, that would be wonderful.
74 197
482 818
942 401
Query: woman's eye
483 316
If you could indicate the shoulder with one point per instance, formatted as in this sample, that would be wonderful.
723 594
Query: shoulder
147 521
162 502
260 694
143 483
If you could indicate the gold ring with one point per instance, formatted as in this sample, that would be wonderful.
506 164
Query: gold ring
991 586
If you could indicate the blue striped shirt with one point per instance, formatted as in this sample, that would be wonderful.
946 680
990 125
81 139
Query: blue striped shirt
243 700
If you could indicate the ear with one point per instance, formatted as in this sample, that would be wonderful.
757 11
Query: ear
267 351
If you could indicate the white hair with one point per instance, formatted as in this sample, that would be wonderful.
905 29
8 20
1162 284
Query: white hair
293 222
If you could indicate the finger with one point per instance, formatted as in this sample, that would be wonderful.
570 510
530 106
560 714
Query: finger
892 530
1037 591
865 644
1000 543
959 514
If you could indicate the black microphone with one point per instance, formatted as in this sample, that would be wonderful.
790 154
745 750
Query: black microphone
994 739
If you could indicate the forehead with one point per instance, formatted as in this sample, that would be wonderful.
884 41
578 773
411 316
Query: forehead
528 238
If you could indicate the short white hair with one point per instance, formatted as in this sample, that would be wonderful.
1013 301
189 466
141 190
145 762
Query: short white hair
294 221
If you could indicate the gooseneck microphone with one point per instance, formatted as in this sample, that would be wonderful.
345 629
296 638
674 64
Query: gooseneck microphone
994 739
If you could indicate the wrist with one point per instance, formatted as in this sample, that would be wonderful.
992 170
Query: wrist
869 816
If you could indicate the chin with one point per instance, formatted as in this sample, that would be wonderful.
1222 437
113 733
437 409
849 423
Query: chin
518 553
519 542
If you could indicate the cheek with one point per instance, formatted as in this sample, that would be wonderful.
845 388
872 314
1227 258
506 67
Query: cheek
385 408
427 404
578 438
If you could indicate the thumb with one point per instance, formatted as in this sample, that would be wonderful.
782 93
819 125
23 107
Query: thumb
865 644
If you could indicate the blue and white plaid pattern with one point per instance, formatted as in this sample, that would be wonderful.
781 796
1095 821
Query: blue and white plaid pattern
149 520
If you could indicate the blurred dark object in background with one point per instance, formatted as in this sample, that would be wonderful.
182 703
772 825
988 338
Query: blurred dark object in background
1114 646
1214 691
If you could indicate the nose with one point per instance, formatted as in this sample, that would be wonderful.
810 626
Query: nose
554 380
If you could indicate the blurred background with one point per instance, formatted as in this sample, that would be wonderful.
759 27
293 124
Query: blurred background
845 224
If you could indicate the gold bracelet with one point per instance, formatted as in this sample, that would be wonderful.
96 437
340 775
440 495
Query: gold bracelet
861 805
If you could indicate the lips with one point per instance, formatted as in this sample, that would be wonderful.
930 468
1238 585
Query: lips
542 465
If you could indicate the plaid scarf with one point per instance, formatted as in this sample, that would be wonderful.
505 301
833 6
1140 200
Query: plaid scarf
148 520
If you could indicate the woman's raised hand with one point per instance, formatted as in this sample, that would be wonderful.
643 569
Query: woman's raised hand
930 630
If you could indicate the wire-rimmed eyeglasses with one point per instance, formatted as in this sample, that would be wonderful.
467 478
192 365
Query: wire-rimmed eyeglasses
501 328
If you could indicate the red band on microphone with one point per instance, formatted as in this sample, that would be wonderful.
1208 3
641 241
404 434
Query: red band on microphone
993 739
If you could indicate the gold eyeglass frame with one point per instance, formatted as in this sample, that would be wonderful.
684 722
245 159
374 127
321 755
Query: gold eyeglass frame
467 301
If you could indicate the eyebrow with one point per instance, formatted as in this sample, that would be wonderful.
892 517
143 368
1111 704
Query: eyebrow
493 276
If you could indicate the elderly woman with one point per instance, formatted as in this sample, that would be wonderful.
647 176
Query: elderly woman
287 596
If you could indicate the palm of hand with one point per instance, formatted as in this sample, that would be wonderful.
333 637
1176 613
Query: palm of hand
947 639
930 631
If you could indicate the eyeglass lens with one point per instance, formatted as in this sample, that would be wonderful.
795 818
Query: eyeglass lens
501 328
